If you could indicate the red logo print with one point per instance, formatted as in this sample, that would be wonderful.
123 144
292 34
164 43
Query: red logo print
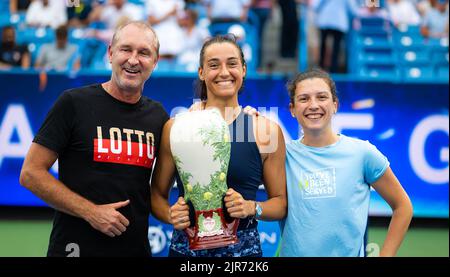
120 148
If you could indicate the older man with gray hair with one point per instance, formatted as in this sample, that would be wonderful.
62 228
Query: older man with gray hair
106 138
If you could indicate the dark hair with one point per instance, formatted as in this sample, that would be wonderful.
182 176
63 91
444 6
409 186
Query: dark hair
8 27
61 32
200 86
311 74
193 14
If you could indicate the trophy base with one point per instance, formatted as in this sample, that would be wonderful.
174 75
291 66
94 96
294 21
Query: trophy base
211 230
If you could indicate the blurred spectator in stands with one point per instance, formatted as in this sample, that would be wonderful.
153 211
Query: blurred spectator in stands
17 6
422 6
114 10
435 22
163 16
240 36
220 11
289 28
105 35
46 13
193 36
333 20
11 54
312 33
403 12
263 10
59 55
79 16
372 11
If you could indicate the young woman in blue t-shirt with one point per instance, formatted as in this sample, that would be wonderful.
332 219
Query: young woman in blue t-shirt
329 177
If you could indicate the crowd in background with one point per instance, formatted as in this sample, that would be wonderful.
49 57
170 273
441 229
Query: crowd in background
331 20
183 26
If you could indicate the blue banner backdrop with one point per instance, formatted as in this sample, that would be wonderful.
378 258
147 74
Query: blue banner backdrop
409 123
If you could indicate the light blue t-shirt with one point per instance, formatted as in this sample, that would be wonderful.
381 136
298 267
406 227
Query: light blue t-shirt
335 14
328 197
436 21
52 57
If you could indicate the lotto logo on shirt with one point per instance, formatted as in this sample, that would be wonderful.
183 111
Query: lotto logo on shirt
318 184
122 148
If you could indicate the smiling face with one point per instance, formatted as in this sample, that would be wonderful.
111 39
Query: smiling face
313 105
133 57
118 3
442 6
8 37
222 70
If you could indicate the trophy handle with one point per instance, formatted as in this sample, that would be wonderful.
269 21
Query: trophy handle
226 215
192 218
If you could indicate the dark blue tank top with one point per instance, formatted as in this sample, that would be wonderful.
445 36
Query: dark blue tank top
245 170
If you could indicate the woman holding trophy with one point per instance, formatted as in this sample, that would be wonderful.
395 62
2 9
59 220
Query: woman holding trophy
219 157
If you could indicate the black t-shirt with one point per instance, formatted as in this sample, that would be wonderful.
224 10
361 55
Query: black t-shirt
106 149
12 56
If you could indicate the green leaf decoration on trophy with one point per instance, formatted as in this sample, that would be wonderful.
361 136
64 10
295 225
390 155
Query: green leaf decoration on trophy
201 147
212 139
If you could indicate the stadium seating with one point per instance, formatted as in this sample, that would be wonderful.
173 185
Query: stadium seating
418 72
376 49
33 48
403 53
413 57
442 72
35 35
